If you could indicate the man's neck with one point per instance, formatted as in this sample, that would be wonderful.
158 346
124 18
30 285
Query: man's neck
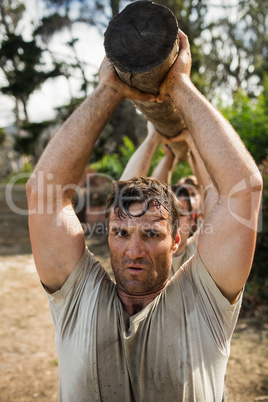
133 304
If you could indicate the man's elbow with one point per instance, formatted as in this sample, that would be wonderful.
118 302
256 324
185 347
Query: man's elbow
256 182
31 188
253 194
245 196
260 182
32 192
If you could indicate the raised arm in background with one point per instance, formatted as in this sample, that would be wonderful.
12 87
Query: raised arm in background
228 251
208 194
140 162
57 237
163 171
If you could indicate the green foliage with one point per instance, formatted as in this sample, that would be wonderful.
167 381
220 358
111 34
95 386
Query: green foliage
54 362
126 150
109 165
113 165
249 118
181 170
156 159
21 177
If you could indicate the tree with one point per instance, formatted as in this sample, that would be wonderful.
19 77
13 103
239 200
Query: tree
92 12
236 47
249 118
48 27
20 60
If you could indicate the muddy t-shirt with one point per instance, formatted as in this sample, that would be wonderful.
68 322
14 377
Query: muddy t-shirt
175 349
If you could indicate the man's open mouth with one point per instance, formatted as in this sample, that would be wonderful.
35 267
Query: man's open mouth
135 269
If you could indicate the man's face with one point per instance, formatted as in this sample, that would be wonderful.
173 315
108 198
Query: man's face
141 249
186 222
194 196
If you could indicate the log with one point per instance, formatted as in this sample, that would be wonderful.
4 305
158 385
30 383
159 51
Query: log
142 43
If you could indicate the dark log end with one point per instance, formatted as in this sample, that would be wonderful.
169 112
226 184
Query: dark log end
141 37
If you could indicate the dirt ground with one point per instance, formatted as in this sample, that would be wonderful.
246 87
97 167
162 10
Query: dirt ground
28 369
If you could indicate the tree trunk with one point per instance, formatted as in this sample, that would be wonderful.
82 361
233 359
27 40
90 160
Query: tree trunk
142 43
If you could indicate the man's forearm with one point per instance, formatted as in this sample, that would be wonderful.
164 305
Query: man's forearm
197 164
67 154
165 167
140 162
221 149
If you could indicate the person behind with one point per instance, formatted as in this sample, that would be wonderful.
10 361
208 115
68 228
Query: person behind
139 165
203 197
140 162
189 239
145 337
191 183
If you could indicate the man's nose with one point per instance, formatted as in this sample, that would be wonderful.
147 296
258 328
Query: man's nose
135 248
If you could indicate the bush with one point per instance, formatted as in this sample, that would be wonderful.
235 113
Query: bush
21 177
249 118
114 165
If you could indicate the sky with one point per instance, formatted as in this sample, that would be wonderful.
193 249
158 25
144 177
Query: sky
55 92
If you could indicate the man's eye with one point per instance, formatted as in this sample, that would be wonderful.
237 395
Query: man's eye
121 233
151 234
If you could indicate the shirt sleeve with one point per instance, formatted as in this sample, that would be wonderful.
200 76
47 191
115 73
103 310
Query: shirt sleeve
220 316
78 292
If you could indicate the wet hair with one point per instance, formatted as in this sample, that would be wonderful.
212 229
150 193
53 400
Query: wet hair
182 192
190 180
147 190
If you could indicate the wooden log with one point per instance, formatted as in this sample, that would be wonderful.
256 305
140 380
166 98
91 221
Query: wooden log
142 43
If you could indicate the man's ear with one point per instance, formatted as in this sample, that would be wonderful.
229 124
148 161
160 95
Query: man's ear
177 242
193 215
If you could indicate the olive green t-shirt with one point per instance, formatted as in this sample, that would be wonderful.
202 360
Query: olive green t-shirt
175 349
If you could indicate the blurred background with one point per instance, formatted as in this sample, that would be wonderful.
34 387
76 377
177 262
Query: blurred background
50 52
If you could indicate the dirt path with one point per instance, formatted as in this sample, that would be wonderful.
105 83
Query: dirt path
28 369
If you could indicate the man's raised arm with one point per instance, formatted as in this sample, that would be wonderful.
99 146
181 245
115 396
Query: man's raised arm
140 162
228 252
56 235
